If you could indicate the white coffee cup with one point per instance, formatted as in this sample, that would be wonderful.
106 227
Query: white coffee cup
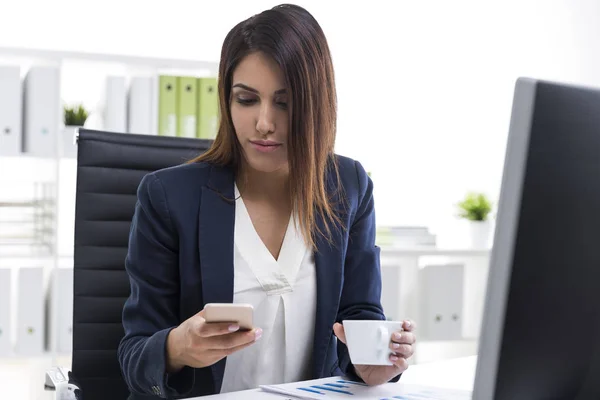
369 341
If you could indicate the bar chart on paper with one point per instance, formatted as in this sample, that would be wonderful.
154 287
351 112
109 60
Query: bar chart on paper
338 388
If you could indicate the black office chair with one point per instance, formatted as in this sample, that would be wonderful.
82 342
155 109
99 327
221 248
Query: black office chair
110 167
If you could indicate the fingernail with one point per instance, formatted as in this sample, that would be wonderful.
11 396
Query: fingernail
397 336
258 334
233 328
393 358
407 324
395 346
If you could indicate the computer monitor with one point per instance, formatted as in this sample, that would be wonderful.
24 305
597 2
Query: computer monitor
540 334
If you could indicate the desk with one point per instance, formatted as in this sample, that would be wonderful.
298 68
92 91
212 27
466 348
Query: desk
458 373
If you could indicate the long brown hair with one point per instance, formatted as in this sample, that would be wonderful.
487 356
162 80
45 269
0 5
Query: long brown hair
293 38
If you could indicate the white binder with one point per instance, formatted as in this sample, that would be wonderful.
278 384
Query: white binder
115 104
41 111
441 289
155 93
64 299
141 106
10 111
390 296
5 308
30 311
67 142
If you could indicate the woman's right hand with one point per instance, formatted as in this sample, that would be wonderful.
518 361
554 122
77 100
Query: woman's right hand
196 343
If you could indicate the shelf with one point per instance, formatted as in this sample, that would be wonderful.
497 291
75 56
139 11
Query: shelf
437 252
6 257
8 239
153 62
44 357
20 256
19 204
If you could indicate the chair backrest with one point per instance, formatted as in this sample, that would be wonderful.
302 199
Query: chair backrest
110 167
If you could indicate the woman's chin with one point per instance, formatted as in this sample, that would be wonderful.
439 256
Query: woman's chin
267 167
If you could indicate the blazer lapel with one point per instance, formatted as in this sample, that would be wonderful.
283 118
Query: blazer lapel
215 234
329 264
216 241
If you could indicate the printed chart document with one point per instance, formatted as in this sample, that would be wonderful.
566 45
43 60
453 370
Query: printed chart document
339 388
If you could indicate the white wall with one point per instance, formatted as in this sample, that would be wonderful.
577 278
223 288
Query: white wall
425 87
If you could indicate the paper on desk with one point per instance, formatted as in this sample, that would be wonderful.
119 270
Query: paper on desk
339 388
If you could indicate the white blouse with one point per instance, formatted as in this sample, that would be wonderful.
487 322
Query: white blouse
283 293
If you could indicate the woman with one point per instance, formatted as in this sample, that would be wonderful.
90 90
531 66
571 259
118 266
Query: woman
268 216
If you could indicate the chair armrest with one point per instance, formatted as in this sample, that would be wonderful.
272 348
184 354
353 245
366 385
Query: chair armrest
62 381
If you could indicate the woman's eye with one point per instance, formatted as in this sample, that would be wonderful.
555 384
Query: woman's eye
282 104
244 101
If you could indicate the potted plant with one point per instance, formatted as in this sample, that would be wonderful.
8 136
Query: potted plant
73 117
476 209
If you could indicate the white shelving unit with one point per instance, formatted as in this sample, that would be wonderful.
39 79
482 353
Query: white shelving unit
58 169
402 297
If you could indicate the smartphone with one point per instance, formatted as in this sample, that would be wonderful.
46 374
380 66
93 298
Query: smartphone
241 314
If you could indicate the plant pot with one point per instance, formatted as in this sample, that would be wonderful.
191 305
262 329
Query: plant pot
480 233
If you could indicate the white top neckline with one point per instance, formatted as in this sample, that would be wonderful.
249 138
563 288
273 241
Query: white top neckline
283 293
274 274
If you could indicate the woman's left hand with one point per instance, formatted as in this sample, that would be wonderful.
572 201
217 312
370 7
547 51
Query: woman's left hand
401 344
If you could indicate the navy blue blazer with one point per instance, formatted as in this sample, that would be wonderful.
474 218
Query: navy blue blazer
180 258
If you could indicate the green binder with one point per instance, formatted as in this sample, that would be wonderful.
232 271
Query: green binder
167 105
208 108
186 107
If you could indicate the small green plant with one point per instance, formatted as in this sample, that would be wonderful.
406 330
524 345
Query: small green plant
475 207
75 116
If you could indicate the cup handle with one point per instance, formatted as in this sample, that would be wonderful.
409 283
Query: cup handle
383 335
383 343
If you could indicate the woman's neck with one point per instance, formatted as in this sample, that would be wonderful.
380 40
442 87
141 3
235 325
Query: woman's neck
262 186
